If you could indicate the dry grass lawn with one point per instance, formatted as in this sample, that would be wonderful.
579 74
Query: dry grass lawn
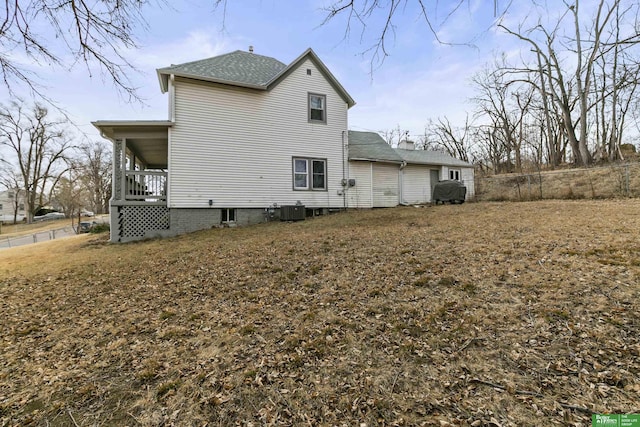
604 182
492 314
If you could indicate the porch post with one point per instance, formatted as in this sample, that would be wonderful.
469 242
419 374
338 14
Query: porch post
123 170
118 169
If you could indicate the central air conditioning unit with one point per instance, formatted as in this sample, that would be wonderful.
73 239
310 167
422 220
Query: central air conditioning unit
292 213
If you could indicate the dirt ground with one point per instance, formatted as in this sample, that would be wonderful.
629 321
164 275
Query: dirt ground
482 314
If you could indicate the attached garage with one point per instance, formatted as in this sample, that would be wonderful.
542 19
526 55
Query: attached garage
383 176
438 166
370 155
385 185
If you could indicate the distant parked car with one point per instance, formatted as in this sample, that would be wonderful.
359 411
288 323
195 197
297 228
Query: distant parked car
449 191
86 213
49 216
86 226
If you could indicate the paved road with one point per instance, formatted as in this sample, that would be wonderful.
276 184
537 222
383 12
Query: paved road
41 236
45 235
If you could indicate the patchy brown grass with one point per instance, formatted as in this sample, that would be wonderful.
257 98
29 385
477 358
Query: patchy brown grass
612 181
470 315
22 228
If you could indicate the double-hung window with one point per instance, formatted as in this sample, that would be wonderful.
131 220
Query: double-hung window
309 174
317 108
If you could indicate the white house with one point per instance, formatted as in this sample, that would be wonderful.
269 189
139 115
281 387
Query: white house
245 132
247 138
386 176
12 205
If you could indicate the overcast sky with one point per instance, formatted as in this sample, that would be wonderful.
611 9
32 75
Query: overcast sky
421 79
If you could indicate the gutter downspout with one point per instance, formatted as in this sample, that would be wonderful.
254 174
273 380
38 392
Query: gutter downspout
345 146
401 182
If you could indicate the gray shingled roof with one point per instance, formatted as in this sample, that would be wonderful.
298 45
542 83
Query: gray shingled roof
246 69
236 67
371 146
427 157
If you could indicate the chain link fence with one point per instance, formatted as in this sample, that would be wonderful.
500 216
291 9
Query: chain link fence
42 236
611 181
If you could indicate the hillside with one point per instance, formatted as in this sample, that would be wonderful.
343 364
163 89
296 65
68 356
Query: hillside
477 314
611 181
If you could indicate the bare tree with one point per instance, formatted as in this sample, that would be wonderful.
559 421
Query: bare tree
12 181
95 32
394 136
566 60
95 175
379 17
505 103
615 79
455 141
69 194
38 147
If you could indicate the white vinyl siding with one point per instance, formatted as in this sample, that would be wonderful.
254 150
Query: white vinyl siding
468 179
359 196
385 185
234 146
466 176
416 184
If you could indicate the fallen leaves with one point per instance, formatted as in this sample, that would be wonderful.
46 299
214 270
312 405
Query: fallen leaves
480 314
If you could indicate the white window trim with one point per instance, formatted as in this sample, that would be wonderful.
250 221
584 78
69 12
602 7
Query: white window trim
309 174
227 210
455 174
296 172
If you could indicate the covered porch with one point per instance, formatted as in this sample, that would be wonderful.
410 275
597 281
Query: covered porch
139 177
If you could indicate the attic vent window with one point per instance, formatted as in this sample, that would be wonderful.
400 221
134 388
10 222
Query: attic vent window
308 71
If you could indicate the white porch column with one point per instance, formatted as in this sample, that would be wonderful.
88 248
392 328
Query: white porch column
119 164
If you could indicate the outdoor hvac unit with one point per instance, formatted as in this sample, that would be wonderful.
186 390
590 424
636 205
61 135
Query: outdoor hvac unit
292 213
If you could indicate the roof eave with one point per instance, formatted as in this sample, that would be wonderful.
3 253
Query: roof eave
367 159
106 127
116 123
164 72
163 78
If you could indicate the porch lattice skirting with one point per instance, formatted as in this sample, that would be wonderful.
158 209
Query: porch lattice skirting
135 221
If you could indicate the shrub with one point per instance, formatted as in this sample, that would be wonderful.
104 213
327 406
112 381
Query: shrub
99 228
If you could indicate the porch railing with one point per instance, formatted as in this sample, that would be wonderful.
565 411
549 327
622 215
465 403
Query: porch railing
146 185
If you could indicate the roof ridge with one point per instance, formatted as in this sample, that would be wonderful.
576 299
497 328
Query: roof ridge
220 56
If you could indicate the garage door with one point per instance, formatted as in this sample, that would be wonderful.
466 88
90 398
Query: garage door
385 185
